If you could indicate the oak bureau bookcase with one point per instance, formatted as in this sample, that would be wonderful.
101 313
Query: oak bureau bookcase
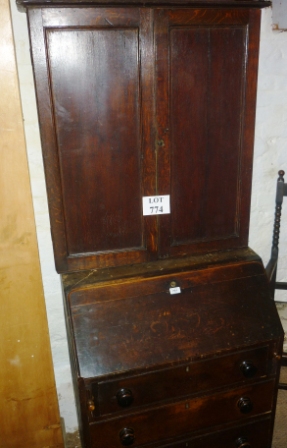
146 113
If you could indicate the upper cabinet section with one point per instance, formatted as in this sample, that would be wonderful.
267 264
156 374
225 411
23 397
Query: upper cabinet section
140 102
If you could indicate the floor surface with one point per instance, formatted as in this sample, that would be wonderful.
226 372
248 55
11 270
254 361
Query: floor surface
280 429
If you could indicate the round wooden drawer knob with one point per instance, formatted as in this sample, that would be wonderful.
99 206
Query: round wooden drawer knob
125 397
91 405
242 442
127 436
248 369
245 405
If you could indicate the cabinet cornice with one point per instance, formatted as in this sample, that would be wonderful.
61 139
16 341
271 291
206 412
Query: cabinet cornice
148 3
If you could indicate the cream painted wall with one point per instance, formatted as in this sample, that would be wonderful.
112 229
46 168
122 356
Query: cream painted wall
270 153
29 412
270 156
279 14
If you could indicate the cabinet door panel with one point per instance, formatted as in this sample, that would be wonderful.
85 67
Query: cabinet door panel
98 116
204 77
94 91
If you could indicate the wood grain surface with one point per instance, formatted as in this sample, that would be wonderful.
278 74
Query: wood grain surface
136 325
139 102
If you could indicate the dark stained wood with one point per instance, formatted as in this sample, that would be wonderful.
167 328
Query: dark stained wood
103 149
140 325
98 88
194 3
172 351
193 414
103 65
137 101
159 267
257 433
186 380
207 151
141 286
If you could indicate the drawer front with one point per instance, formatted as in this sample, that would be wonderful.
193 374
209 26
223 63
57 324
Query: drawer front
183 418
117 395
256 434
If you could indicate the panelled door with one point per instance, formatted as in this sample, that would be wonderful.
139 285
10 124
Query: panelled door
206 77
94 78
140 102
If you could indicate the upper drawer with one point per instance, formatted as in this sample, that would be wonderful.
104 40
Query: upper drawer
192 378
183 418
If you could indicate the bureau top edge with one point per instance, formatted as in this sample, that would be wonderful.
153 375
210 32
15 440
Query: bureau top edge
193 3
159 267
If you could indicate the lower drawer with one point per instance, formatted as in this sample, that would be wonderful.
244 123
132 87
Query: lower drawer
180 419
255 434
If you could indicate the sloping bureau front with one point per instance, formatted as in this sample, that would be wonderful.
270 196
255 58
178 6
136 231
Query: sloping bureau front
154 367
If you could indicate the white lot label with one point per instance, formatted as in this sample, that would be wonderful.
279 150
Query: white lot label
156 205
175 290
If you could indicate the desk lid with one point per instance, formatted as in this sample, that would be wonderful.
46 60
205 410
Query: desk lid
136 324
